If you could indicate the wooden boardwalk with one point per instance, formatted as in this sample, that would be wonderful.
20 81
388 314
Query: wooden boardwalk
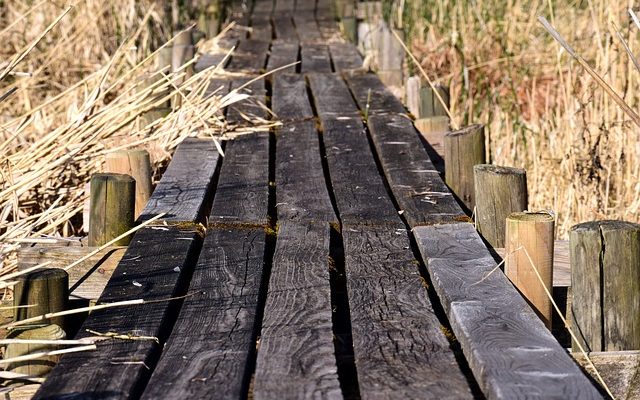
335 262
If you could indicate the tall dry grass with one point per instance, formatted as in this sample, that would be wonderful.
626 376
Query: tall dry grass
542 111
79 93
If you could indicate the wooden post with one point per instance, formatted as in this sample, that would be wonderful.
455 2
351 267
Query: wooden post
499 191
430 105
462 150
41 366
390 55
412 95
533 232
113 199
137 164
605 280
43 291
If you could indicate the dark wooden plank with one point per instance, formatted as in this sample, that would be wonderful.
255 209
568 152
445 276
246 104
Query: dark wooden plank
306 8
261 27
154 267
284 6
331 96
252 110
345 56
284 28
243 186
296 357
372 94
250 56
283 53
262 9
301 190
315 58
415 182
289 99
358 188
400 350
185 185
307 27
509 350
207 353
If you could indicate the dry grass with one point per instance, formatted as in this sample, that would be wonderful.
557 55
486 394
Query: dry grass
543 111
79 93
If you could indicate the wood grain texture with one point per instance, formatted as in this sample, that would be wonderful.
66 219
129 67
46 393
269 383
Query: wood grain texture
284 28
499 191
301 190
153 268
331 96
463 149
605 284
372 95
400 350
511 353
243 188
261 25
181 193
206 355
315 58
283 52
358 188
345 56
296 356
250 56
415 182
289 99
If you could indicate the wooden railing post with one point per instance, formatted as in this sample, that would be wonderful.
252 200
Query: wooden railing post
41 292
41 366
605 281
112 210
462 150
499 191
529 248
183 51
137 164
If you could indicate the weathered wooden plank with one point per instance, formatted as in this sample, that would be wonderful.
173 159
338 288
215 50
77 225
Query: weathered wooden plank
328 27
284 28
509 350
372 95
250 56
185 185
284 6
243 187
331 96
301 190
283 52
262 8
359 190
207 353
88 279
296 357
345 56
261 26
315 58
400 350
415 182
307 27
154 267
289 99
